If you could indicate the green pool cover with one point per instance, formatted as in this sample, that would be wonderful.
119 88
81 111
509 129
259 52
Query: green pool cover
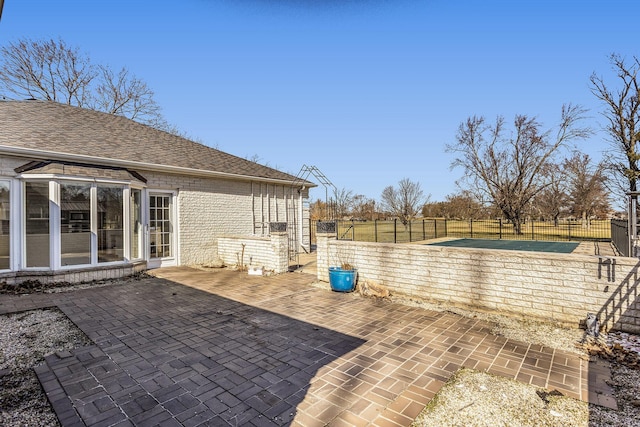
512 245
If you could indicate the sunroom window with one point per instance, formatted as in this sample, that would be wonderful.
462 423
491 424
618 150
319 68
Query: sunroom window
75 223
82 222
110 224
37 224
135 215
5 230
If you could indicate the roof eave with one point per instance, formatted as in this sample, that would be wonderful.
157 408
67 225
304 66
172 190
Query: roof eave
52 155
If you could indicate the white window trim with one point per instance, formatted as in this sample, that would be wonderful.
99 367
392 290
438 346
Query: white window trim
128 232
15 226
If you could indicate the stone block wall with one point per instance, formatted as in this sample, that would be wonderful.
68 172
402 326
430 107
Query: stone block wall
270 253
545 286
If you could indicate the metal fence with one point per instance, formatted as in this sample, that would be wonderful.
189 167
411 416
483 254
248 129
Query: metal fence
425 229
620 236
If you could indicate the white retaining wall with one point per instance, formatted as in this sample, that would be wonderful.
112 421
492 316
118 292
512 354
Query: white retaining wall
545 286
269 253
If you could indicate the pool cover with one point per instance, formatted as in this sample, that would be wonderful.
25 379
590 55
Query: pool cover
511 245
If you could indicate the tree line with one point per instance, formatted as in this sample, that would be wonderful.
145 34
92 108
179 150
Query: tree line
513 169
516 170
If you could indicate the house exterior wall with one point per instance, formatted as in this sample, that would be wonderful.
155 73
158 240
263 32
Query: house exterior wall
9 164
545 286
206 209
209 208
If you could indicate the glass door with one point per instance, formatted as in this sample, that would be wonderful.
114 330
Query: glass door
161 236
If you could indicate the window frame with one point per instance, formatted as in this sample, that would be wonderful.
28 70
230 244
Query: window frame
55 228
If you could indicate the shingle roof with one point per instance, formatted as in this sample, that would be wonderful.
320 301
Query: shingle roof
69 132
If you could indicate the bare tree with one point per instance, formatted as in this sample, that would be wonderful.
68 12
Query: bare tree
435 210
318 210
587 192
126 95
622 112
47 70
553 201
53 71
404 202
508 169
363 207
343 200
463 205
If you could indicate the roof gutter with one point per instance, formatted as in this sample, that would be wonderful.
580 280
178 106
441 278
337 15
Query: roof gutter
49 155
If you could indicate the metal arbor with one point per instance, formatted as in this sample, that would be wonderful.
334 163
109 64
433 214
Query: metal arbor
298 209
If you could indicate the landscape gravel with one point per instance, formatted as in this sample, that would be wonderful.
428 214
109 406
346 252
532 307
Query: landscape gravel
469 399
25 339
477 399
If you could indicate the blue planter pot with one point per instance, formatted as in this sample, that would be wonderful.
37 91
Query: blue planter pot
342 280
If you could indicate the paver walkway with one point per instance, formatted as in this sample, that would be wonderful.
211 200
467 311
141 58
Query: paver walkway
221 348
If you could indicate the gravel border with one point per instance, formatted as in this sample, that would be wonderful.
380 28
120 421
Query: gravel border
477 399
25 339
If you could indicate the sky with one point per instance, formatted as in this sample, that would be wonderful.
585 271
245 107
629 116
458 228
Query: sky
366 92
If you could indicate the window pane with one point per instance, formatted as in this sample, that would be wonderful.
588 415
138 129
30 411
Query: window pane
4 226
37 224
110 224
75 224
136 223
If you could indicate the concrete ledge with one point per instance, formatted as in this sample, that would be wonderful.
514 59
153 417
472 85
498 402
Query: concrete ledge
75 275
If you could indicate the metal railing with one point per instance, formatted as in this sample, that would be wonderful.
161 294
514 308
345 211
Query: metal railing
426 229
620 236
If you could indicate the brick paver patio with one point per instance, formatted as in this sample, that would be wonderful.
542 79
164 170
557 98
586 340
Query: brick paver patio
192 347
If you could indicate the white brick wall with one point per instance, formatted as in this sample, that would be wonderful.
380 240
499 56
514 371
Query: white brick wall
270 253
210 208
9 164
547 286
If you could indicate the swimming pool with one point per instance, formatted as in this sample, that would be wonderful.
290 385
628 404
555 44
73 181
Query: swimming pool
511 245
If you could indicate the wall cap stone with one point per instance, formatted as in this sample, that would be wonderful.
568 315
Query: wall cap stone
326 227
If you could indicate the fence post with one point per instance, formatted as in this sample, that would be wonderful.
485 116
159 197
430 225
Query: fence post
375 230
279 242
395 230
471 227
326 231
435 228
424 233
353 230
410 232
569 229
500 227
532 233
446 230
